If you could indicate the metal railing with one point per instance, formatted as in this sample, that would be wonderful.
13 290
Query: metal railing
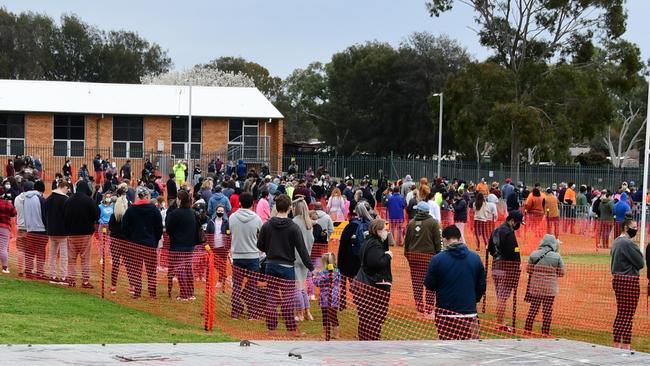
397 167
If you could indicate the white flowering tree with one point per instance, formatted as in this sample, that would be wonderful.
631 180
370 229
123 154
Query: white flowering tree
200 76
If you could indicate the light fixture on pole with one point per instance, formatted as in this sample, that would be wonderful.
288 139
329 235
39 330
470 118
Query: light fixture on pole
439 133
646 150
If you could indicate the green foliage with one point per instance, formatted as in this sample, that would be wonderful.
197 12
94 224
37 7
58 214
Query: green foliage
377 97
33 46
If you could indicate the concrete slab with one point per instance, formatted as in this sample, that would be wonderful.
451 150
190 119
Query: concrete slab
487 352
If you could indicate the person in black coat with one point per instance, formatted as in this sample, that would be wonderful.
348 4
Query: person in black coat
181 225
172 189
58 237
142 226
80 215
373 282
348 262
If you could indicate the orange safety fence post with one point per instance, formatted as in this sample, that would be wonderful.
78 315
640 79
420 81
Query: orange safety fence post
210 284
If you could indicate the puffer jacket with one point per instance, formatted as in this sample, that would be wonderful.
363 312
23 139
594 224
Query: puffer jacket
545 265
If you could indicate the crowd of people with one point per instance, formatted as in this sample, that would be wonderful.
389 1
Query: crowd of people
280 226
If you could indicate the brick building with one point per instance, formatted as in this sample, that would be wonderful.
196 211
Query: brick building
55 120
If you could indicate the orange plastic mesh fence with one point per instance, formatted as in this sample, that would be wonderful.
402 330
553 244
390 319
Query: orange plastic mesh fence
202 287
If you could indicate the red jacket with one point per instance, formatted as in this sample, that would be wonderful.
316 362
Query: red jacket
7 211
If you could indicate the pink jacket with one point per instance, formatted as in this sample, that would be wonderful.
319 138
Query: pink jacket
263 210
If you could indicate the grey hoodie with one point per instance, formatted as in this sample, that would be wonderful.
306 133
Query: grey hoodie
20 211
245 225
545 265
325 221
34 211
406 186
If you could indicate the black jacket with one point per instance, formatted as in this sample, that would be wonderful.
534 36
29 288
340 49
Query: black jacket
348 263
503 245
460 211
280 238
367 195
115 228
55 212
181 226
142 224
374 260
172 190
81 212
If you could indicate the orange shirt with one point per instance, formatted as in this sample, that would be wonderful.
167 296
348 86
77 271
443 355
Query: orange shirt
570 194
483 188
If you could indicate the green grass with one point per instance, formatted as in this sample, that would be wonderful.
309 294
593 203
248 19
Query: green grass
595 258
41 313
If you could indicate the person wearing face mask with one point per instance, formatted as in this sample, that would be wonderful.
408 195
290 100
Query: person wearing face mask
67 169
457 277
626 263
218 227
372 283
504 249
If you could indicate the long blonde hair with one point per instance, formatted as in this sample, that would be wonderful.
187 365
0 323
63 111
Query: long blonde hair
121 205
328 258
301 210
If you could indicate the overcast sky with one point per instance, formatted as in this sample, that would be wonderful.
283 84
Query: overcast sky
283 34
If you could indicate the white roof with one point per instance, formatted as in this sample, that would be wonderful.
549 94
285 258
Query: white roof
133 99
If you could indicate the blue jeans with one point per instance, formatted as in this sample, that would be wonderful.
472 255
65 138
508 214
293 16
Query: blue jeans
245 270
281 286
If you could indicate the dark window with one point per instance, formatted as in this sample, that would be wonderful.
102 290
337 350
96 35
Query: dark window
180 130
69 127
69 134
12 125
12 134
235 129
128 128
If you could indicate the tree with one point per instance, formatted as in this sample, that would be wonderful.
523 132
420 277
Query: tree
199 75
301 101
33 46
627 130
525 35
377 97
269 85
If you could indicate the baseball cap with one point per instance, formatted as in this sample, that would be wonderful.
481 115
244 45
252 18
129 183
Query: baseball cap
422 206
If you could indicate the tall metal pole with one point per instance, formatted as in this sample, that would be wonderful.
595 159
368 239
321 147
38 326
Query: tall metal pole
189 137
645 174
440 136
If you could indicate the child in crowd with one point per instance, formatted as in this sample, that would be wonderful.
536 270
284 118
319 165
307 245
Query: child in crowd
328 280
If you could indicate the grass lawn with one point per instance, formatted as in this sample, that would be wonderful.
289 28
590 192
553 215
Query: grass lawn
40 313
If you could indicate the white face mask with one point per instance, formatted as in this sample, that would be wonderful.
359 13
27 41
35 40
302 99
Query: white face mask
383 235
7 186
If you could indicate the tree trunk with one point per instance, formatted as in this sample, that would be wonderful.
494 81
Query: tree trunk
515 150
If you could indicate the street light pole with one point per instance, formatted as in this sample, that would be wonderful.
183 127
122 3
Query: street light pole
439 133
646 150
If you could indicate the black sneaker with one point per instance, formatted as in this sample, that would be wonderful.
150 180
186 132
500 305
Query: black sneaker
87 285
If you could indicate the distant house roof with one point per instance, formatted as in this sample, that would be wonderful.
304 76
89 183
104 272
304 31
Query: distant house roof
133 99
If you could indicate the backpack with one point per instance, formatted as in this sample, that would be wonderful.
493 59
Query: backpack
360 235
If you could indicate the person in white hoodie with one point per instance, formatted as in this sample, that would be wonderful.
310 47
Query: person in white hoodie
245 226
36 239
324 220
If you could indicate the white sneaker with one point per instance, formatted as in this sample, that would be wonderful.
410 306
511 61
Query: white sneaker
312 297
6 270
310 317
